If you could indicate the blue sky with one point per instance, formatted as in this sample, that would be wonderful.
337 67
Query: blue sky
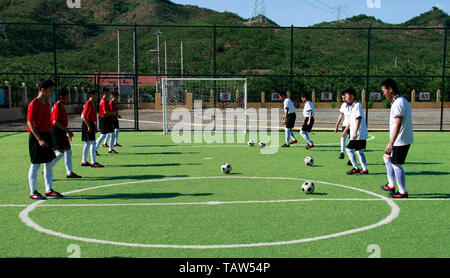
308 12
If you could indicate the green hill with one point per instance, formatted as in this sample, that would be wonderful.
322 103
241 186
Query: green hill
90 48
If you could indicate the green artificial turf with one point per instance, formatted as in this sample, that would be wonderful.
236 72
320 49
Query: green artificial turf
148 194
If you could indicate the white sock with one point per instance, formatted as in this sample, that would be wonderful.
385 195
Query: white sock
390 172
343 143
286 135
68 161
58 157
93 150
362 159
400 176
106 138
352 157
306 137
32 177
48 176
112 139
99 141
87 144
116 135
291 134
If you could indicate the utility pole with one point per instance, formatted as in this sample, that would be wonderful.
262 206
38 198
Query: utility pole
158 33
396 59
181 59
338 9
165 58
118 62
2 30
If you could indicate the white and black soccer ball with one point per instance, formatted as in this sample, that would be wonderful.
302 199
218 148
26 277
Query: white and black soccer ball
261 145
251 143
226 168
309 161
308 187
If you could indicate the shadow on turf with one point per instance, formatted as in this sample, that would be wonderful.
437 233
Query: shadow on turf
131 196
151 165
429 196
411 163
134 177
164 153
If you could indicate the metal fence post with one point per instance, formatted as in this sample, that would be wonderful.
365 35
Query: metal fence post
444 66
291 80
136 80
55 66
368 75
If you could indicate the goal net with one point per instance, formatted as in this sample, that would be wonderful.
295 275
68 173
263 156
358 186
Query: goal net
218 104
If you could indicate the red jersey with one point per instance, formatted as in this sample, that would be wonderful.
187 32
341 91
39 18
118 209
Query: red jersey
89 111
39 115
104 107
114 106
59 114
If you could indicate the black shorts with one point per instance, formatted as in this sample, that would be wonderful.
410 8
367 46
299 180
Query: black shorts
60 140
399 153
306 127
348 130
105 125
356 145
290 120
115 123
85 135
38 154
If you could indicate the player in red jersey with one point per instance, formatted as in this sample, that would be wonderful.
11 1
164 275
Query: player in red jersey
105 119
114 136
88 130
40 142
61 135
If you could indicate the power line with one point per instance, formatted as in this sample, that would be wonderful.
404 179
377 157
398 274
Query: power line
321 9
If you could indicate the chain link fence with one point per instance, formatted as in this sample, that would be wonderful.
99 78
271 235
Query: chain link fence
133 59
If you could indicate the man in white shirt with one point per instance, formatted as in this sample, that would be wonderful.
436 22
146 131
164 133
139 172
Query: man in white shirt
309 113
358 134
344 114
288 119
401 138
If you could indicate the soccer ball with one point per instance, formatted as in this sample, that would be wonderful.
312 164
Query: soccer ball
226 168
251 143
261 145
308 187
309 160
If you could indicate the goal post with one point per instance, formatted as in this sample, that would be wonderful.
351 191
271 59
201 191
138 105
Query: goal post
217 98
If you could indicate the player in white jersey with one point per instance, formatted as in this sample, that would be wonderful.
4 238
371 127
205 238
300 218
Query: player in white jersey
344 114
358 134
308 112
288 119
401 138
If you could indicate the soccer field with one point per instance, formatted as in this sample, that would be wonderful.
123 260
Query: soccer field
156 198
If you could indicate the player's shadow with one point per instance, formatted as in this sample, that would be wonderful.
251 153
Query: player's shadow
133 177
428 173
429 196
150 165
163 153
411 163
137 196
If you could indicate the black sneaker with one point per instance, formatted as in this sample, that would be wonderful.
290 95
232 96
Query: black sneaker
37 196
398 195
341 156
53 194
353 171
387 188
